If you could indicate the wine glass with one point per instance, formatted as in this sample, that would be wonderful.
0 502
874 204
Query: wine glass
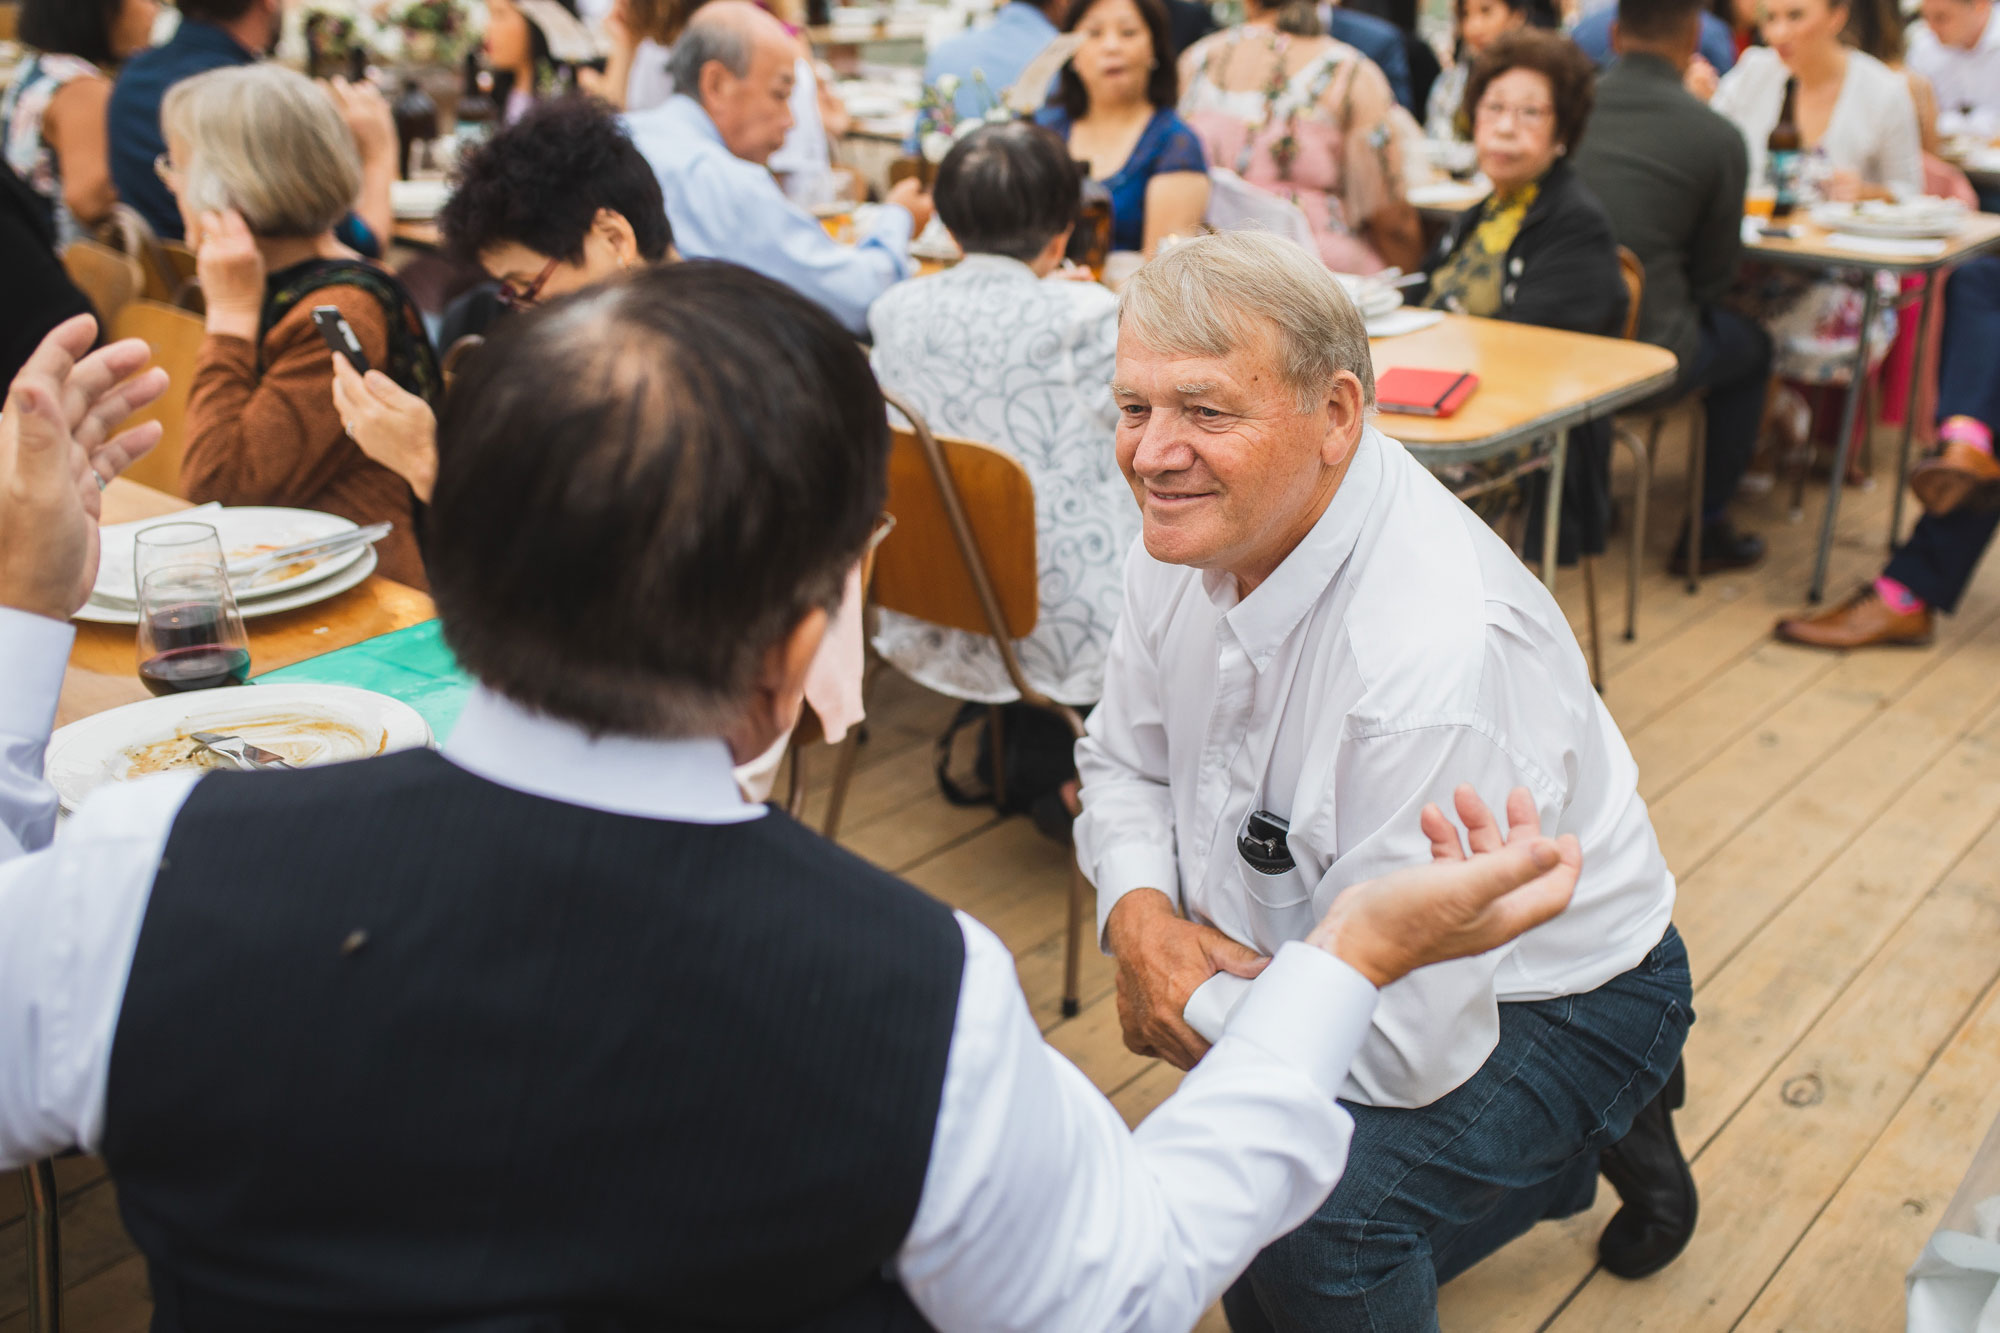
190 634
170 545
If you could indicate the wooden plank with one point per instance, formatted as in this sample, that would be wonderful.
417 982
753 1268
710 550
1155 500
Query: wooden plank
93 1239
1831 1095
115 1300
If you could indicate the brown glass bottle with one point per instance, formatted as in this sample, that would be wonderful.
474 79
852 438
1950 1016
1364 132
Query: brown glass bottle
1782 155
478 113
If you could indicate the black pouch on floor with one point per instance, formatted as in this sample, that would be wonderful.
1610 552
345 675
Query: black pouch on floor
1038 757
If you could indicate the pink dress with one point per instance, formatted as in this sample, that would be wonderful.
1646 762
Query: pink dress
1321 137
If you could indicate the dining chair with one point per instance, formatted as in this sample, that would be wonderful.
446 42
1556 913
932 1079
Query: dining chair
110 278
126 229
38 1188
963 556
454 356
1651 418
175 336
183 288
809 734
10 21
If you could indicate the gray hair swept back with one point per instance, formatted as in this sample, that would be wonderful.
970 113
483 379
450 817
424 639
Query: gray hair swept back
1197 298
708 37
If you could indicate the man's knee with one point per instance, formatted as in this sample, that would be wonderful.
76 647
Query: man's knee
1332 1256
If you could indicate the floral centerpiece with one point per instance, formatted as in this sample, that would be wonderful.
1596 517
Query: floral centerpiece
332 30
939 123
427 32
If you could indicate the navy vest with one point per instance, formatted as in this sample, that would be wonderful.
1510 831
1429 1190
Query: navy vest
404 1049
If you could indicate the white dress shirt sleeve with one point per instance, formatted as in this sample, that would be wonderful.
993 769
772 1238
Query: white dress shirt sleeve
1125 836
1042 1212
70 912
1435 1028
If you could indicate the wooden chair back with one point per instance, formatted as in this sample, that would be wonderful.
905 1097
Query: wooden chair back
178 285
963 551
175 337
1634 273
10 21
454 356
110 278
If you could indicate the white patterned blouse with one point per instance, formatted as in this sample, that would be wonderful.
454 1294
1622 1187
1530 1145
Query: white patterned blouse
989 352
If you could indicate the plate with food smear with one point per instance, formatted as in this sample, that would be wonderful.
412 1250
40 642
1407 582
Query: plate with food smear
303 725
246 533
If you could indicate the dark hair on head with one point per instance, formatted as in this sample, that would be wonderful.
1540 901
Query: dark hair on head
1540 13
1163 88
1876 26
644 486
1572 78
71 28
541 181
214 11
1657 20
1007 189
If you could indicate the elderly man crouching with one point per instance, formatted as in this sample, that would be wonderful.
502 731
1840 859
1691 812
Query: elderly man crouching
1319 641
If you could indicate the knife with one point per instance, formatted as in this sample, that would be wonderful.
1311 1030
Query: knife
238 751
317 549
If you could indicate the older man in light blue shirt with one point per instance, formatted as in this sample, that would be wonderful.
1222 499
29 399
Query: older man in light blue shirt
709 144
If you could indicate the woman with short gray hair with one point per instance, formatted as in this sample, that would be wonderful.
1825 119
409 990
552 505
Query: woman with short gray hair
263 169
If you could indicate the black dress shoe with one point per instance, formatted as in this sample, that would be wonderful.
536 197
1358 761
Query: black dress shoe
1722 547
1653 1180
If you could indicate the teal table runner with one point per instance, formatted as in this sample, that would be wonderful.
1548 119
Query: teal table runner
412 665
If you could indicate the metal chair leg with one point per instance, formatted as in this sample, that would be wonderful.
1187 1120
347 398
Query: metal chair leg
1697 482
38 1184
1589 563
1642 488
996 738
1079 896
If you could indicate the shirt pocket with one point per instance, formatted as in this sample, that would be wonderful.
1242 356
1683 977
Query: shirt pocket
1280 907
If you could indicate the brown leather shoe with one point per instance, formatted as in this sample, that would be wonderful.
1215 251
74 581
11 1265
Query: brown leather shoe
1959 477
1863 622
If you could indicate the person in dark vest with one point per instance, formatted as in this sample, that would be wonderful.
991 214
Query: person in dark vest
552 1030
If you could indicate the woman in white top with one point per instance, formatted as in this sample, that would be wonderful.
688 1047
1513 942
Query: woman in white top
1853 112
1001 351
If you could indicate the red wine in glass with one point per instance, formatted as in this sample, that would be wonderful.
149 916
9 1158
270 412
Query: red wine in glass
191 644
201 668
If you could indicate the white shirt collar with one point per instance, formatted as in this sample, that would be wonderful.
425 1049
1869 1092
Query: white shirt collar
1263 621
689 781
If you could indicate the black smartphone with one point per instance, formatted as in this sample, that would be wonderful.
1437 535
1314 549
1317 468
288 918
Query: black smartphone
1262 843
339 335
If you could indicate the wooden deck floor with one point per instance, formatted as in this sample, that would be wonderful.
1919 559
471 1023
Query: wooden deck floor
1835 824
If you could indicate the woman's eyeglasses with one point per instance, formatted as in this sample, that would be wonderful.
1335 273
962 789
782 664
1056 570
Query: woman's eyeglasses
164 169
514 298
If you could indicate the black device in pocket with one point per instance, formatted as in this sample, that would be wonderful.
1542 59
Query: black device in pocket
339 335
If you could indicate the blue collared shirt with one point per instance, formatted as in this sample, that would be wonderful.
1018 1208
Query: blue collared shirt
134 115
723 207
1378 39
998 52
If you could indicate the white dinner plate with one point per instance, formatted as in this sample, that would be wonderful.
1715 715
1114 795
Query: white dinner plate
253 607
1918 219
419 201
1374 299
245 531
305 724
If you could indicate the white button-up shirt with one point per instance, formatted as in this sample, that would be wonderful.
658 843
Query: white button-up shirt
1400 650
1964 80
1039 1211
723 207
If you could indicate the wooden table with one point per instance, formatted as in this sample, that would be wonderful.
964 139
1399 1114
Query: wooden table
1815 248
1534 385
104 665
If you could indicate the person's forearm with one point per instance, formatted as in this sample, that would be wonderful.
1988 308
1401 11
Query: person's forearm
375 207
252 439
34 652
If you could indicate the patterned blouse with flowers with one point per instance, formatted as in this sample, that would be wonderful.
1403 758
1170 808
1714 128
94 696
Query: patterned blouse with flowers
22 107
1321 136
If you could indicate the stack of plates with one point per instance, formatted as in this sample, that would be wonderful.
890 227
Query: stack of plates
1911 219
418 200
1374 298
245 533
302 724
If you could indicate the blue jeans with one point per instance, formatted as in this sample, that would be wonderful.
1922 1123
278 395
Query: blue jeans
1431 1191
1943 550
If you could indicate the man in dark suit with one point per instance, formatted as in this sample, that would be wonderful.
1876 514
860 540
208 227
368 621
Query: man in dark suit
1671 174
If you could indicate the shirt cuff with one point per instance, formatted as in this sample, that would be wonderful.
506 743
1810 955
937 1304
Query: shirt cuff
34 654
892 229
1129 866
1310 1010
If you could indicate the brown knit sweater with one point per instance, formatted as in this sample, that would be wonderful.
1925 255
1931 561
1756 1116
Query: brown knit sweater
275 439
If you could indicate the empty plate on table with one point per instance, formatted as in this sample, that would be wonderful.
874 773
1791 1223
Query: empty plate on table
302 724
1911 219
246 532
419 201
250 608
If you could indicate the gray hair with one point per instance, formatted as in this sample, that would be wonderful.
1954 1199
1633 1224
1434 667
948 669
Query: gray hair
264 141
1199 297
709 36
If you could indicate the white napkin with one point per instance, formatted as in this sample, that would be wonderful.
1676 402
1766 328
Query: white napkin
1409 319
1886 247
1214 1002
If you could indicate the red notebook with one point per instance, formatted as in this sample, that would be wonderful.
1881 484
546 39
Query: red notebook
1423 393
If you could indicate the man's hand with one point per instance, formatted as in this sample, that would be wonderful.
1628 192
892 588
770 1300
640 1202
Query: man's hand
1161 960
57 452
393 426
231 270
910 194
1455 907
1701 78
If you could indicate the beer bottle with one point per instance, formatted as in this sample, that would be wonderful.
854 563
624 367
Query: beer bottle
1782 155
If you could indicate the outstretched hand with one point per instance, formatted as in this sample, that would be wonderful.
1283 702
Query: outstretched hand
57 452
1459 905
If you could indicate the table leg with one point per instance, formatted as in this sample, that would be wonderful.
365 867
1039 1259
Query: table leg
1552 509
38 1183
1844 444
1910 410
